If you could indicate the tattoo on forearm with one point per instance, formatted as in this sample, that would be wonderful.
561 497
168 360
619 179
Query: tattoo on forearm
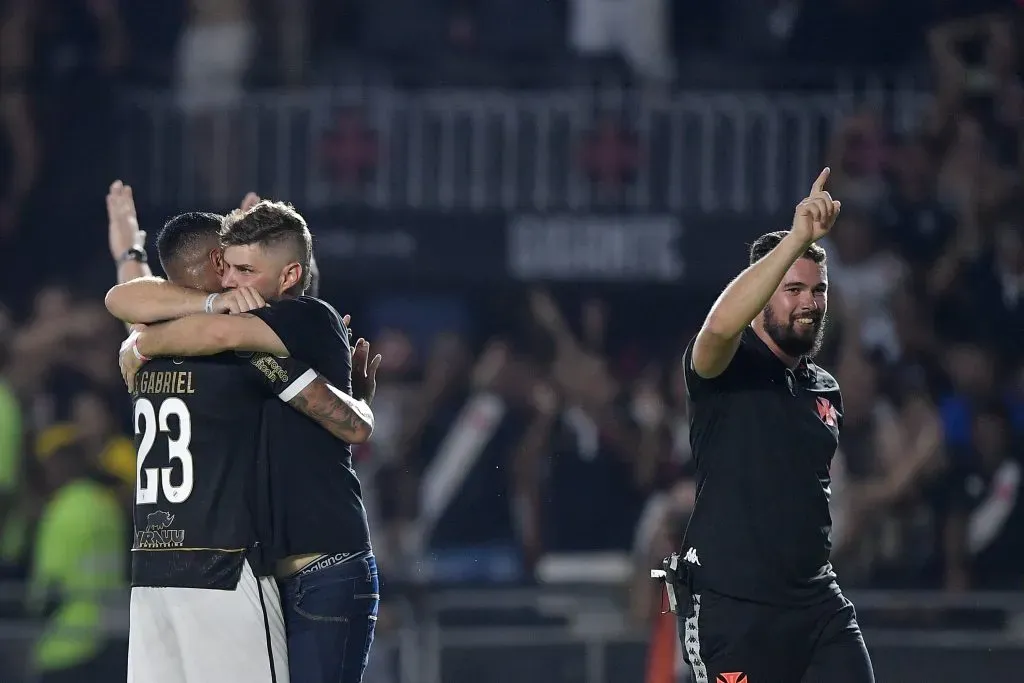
331 411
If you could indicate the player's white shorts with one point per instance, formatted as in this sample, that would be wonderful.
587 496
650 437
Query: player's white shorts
191 635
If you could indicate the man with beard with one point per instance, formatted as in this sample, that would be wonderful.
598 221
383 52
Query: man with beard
760 599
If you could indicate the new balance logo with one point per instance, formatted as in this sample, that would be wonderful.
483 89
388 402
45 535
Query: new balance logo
691 556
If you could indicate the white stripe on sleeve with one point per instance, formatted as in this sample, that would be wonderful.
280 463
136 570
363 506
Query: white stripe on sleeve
300 383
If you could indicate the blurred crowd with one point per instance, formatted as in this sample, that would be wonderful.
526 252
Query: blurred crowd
63 61
514 428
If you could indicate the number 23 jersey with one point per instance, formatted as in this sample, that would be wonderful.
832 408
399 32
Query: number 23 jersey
197 422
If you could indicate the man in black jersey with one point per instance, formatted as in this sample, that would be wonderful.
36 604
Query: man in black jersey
197 429
319 529
764 605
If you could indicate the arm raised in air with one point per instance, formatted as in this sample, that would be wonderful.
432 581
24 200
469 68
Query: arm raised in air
747 295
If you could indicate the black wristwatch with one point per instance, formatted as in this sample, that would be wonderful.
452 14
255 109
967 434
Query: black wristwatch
133 254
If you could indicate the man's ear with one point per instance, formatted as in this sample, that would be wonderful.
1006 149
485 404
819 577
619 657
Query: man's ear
291 275
217 259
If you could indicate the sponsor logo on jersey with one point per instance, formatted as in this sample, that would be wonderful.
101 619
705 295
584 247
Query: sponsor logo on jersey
691 557
269 366
158 534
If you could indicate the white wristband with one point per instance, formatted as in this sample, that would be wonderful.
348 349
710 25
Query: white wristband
135 350
209 302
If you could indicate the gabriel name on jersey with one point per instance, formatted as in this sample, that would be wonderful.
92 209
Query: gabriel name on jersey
197 422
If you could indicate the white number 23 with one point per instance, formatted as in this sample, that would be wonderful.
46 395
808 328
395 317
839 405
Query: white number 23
148 479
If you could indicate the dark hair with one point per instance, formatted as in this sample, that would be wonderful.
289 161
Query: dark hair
185 233
269 224
314 278
768 241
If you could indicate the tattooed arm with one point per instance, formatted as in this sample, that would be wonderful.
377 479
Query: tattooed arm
308 392
343 416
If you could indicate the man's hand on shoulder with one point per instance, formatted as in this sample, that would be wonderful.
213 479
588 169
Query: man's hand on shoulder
364 372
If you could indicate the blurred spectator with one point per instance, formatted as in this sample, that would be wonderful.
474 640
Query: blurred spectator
586 452
666 468
10 426
465 509
859 153
79 560
214 54
917 224
13 520
16 107
62 348
972 372
865 276
380 463
57 64
95 431
636 31
887 455
983 508
988 295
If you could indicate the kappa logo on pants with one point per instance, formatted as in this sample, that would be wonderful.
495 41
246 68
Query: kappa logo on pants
733 677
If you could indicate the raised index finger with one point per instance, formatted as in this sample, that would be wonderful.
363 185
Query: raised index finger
819 184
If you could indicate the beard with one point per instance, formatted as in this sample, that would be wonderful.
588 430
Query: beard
792 339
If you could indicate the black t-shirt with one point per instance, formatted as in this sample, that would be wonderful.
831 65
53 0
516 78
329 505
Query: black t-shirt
315 499
763 437
583 468
197 425
991 500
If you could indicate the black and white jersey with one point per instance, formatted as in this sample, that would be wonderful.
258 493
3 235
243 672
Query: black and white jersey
197 424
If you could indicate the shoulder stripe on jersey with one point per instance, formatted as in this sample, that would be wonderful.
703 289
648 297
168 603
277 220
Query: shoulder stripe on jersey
300 383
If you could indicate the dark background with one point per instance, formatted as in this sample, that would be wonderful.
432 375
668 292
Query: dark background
537 200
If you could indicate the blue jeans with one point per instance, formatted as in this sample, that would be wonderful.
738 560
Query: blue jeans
330 616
